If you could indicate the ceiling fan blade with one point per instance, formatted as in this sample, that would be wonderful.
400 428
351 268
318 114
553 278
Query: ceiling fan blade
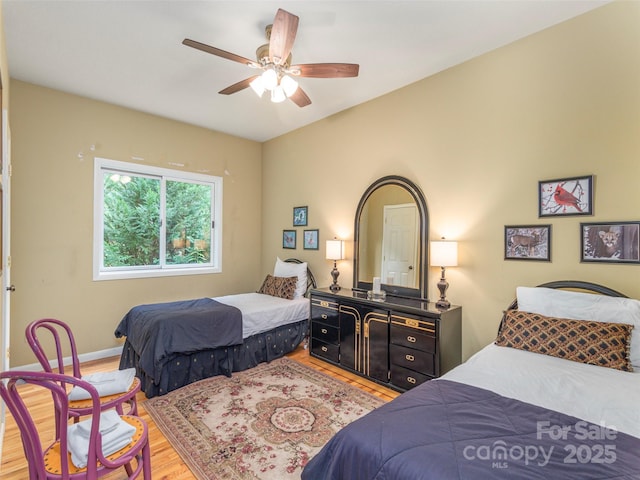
327 70
236 87
300 98
216 51
283 34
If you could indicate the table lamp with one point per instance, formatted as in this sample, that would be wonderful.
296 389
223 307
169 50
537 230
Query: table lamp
443 254
335 252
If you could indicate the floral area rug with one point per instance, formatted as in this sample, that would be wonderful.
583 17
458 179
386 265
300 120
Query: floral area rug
263 423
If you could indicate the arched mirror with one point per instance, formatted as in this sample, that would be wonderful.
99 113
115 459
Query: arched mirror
391 237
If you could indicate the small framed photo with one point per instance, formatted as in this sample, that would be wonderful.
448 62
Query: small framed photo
610 242
300 216
565 196
527 242
311 240
289 239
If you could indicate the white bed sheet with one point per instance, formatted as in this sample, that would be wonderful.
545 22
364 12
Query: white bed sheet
597 394
264 312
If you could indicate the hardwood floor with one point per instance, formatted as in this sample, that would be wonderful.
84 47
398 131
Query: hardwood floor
165 461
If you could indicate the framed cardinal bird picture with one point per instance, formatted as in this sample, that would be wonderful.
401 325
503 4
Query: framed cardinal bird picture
565 196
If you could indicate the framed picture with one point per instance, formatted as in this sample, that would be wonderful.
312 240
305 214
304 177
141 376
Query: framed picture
610 242
300 216
565 196
311 240
527 242
289 239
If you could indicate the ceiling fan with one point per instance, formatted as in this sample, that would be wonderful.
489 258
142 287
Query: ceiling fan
274 59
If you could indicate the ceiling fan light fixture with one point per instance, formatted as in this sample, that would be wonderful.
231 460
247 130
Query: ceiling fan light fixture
257 85
278 95
274 60
269 79
289 85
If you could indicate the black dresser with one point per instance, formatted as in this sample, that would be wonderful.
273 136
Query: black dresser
398 343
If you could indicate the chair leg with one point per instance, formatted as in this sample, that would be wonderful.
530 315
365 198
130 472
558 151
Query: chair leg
134 406
146 461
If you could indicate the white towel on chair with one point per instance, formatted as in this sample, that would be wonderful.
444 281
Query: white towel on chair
106 383
109 421
116 434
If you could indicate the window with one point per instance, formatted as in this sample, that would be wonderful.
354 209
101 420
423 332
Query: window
151 221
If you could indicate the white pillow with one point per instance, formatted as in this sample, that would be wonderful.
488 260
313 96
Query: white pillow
286 269
584 306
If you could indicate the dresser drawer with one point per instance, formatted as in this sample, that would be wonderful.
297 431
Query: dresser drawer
325 333
325 311
405 378
413 338
416 360
325 350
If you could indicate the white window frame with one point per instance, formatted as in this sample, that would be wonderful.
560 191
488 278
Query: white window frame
100 272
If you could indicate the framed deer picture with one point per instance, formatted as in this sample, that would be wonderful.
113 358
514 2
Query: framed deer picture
610 242
527 242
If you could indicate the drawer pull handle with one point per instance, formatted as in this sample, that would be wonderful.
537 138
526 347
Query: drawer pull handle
411 358
323 330
324 316
411 339
324 349
412 323
411 380
324 303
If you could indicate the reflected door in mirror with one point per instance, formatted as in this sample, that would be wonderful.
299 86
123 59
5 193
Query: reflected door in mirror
400 245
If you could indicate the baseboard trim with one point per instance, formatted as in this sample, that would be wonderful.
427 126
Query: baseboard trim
83 357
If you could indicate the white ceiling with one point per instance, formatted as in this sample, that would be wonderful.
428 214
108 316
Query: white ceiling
129 52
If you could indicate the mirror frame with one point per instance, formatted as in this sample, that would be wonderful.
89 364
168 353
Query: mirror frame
423 254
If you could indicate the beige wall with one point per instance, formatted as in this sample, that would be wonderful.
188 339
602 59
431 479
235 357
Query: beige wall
477 138
53 211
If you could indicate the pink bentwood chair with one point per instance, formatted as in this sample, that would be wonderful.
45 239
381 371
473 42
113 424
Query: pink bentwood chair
63 339
54 460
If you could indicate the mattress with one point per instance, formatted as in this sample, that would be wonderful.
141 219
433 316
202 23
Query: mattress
610 397
264 312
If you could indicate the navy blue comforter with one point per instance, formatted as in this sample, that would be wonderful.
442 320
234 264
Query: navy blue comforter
444 430
160 330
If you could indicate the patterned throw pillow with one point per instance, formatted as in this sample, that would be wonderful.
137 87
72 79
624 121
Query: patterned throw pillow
595 343
283 287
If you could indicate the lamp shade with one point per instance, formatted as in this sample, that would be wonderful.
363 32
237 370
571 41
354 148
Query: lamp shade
335 249
289 85
257 85
277 94
444 254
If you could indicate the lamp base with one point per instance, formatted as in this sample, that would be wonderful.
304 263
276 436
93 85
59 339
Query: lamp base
443 303
334 287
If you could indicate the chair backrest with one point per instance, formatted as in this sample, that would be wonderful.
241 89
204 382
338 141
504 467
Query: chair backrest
50 338
49 458
12 392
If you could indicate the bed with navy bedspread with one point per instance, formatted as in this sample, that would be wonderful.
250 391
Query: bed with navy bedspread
508 412
174 344
449 430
